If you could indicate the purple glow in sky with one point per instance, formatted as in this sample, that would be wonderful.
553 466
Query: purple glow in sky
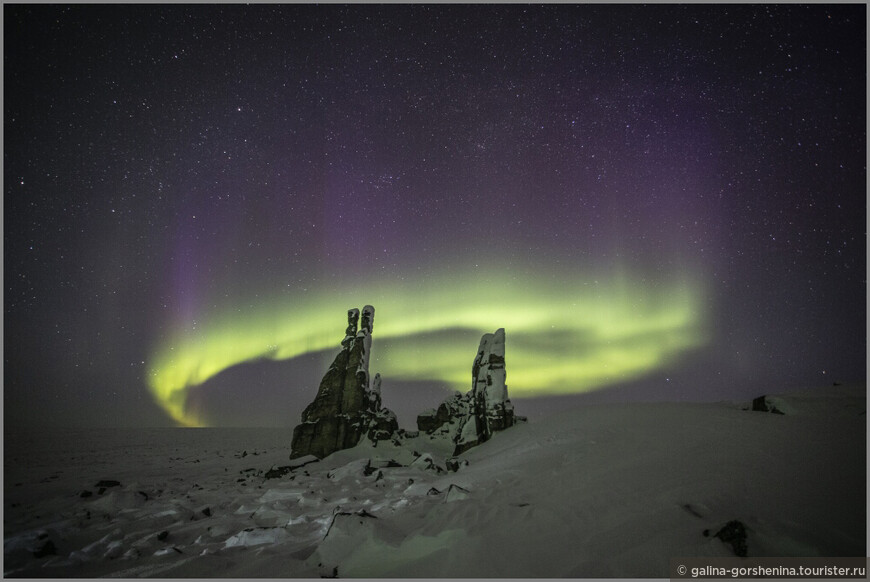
168 166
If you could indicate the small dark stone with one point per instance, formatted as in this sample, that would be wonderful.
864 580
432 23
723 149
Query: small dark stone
143 494
433 491
207 512
761 404
706 533
163 535
277 472
47 549
86 493
108 483
452 465
734 533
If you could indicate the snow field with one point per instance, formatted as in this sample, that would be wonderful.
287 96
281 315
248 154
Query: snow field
599 491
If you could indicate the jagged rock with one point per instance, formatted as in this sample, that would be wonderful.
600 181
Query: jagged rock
375 393
454 464
277 472
469 434
426 462
734 534
498 412
347 405
472 418
433 419
47 549
456 493
382 424
763 404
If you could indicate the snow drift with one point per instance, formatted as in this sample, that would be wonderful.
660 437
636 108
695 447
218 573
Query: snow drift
599 491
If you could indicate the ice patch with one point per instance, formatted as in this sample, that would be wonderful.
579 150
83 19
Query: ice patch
280 495
246 509
256 537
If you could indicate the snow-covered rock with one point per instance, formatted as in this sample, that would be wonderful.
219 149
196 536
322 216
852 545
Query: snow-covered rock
472 419
347 406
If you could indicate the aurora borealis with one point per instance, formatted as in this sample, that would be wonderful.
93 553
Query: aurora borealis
655 202
619 330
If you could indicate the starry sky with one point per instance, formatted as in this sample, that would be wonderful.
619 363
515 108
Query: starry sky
656 202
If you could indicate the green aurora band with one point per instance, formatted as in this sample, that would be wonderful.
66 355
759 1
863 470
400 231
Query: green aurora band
565 334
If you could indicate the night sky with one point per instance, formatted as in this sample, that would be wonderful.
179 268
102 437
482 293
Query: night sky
656 203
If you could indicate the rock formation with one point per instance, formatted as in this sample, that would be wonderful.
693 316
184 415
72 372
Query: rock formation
734 534
765 404
346 406
471 419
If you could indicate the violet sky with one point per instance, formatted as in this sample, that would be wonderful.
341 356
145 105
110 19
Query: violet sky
174 175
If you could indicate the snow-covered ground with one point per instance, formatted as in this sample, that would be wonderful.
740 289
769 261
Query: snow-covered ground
598 491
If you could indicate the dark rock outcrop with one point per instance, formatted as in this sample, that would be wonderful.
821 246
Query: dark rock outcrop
472 418
734 534
381 422
763 404
433 419
347 406
47 549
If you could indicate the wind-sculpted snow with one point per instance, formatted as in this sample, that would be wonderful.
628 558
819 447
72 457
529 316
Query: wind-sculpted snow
601 491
